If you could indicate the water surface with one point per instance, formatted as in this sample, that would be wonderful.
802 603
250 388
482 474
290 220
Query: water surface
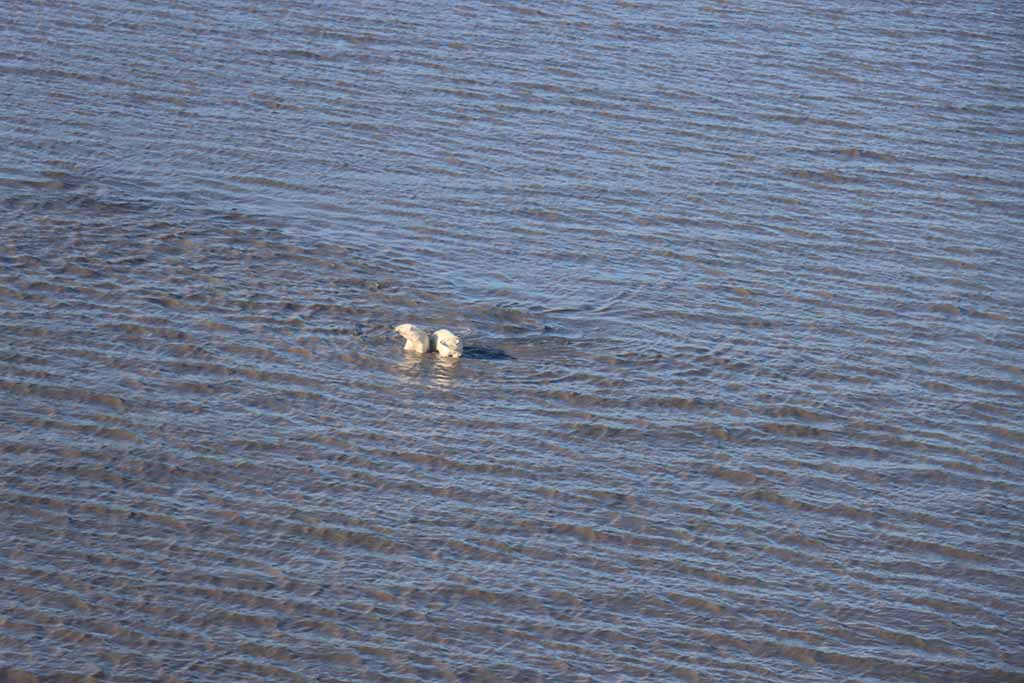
741 288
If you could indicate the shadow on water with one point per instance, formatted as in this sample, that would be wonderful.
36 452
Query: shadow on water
485 353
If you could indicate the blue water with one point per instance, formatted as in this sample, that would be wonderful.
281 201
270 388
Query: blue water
740 286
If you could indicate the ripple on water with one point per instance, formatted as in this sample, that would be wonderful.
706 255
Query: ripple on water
742 375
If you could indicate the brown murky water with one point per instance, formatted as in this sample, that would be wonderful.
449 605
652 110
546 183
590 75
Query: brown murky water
741 286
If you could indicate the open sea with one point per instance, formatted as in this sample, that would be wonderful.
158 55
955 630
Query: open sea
741 286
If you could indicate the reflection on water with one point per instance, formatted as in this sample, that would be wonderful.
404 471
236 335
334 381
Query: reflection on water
438 372
740 288
410 366
445 372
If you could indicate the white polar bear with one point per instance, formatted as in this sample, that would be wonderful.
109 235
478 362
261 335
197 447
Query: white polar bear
444 342
416 340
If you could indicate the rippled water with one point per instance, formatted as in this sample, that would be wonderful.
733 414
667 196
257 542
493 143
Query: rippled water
741 286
